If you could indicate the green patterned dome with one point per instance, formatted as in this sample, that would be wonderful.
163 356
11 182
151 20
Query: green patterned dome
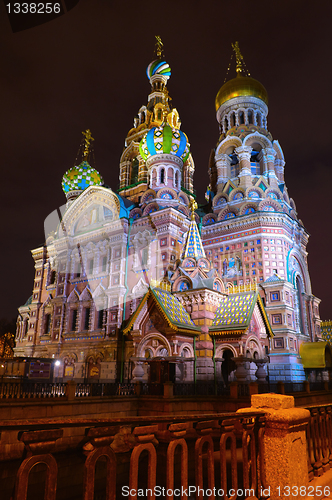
80 177
164 139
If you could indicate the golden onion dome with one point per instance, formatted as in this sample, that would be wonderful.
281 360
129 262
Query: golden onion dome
239 87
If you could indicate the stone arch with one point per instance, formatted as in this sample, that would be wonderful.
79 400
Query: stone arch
298 268
148 196
223 213
236 191
220 200
220 350
258 138
264 204
228 145
256 190
278 150
273 191
183 198
258 347
209 219
165 191
135 213
92 197
151 207
186 347
248 206
143 345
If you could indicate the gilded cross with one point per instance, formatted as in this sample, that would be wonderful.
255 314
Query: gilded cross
88 140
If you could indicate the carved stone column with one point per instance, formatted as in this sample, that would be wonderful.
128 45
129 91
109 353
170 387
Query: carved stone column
223 163
241 371
244 154
268 155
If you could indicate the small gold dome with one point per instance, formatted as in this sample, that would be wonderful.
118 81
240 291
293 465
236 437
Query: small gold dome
241 86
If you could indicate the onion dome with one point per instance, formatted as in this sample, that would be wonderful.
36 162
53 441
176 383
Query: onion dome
158 67
164 139
80 177
241 86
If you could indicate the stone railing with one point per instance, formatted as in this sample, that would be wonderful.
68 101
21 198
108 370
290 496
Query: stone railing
319 440
205 456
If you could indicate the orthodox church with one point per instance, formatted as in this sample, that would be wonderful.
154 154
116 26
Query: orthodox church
144 275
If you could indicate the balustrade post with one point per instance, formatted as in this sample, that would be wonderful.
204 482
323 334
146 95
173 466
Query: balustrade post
284 446
99 446
168 389
70 390
39 445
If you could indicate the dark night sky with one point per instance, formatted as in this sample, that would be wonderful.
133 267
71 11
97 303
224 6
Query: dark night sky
86 69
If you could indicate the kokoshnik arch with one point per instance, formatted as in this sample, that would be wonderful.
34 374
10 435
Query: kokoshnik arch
143 273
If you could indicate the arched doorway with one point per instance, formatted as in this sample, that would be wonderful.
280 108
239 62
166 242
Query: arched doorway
228 365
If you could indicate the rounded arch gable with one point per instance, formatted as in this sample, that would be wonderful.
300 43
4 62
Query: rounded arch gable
220 350
257 138
229 142
144 344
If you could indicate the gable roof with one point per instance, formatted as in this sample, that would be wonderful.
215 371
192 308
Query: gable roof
171 310
234 314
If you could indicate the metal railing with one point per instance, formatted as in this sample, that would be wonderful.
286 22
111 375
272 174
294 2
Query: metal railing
22 389
187 456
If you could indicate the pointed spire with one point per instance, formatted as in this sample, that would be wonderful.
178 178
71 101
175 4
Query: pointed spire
193 246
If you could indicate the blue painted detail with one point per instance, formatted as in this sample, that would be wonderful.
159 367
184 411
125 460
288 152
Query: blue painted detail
182 146
150 141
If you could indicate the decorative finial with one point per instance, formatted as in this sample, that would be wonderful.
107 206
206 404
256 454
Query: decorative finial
239 60
159 47
193 207
239 57
88 139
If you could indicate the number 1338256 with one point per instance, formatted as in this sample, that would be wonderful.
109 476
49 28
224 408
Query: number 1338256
33 8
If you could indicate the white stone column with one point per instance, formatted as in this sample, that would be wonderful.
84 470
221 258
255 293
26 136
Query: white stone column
244 154
223 163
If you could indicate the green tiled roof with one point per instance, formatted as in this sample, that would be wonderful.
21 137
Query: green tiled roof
171 308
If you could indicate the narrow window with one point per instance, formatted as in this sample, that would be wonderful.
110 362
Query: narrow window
100 319
162 176
176 179
47 326
73 320
104 265
91 266
86 318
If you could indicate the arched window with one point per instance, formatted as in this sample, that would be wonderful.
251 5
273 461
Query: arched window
300 304
241 118
162 176
250 118
176 178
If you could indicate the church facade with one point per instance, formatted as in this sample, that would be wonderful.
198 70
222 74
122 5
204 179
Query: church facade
220 291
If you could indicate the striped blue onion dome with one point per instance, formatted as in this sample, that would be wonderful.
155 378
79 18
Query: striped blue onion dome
158 67
164 139
81 177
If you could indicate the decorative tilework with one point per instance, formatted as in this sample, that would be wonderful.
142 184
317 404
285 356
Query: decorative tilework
193 247
81 177
235 310
173 308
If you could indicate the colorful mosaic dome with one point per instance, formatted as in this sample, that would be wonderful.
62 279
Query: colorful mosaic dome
158 67
80 177
164 139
